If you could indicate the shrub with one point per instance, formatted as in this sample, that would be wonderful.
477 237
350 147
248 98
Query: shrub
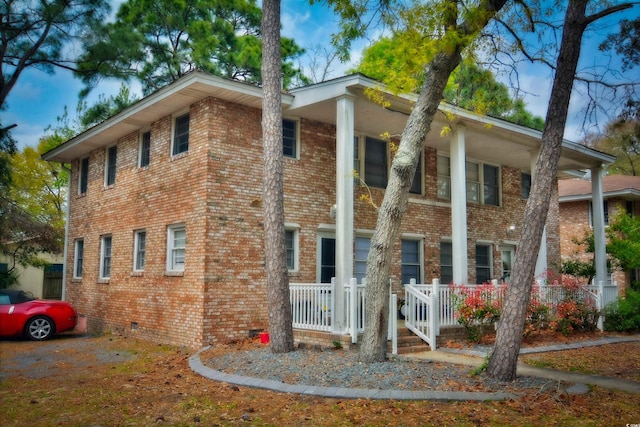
624 316
477 307
575 311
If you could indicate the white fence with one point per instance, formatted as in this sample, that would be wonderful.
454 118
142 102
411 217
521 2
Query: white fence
427 307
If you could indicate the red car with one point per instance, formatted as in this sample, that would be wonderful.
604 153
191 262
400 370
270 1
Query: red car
24 315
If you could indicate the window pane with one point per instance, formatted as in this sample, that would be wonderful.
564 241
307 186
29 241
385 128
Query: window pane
411 261
106 257
472 171
181 135
416 185
361 255
289 244
141 238
327 259
526 185
84 175
179 241
111 165
375 163
79 258
491 185
446 262
289 138
483 263
145 149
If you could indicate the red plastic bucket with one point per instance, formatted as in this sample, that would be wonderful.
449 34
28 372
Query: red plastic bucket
264 337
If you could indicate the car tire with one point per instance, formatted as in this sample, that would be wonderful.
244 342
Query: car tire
40 328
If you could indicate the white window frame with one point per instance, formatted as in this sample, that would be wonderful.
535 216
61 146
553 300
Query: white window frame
107 166
448 242
359 261
78 258
139 253
444 181
173 250
82 171
106 255
297 137
295 230
141 148
174 119
419 240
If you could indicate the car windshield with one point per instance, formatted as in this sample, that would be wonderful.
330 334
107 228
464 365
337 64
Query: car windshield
17 296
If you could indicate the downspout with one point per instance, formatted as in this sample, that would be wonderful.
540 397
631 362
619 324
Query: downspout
66 235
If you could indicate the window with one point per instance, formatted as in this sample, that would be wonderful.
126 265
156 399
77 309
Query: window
416 185
289 138
446 262
327 261
525 178
105 257
139 243
491 180
362 253
629 208
482 182
605 204
83 176
79 257
110 166
176 242
291 244
144 156
356 156
375 163
444 178
181 135
483 263
411 261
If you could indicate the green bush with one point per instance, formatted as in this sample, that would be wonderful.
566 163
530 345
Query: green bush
624 316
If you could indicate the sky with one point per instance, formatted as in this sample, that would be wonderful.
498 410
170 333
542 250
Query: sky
38 98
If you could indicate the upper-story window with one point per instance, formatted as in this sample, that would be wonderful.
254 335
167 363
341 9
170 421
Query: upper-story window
83 176
110 166
375 162
482 181
144 153
180 134
525 178
290 138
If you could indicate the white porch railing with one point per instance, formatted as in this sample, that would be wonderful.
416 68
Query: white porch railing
427 307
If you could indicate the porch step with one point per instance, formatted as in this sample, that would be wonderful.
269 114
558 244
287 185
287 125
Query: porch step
409 343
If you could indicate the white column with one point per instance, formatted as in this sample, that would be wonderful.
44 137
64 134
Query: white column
598 225
344 205
459 208
541 261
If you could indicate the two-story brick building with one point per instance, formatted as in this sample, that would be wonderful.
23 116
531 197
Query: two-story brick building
165 228
619 192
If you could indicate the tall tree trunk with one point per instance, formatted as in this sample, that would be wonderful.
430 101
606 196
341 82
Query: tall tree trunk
503 360
280 320
374 342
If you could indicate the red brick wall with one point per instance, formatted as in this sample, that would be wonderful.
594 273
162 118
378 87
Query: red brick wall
216 190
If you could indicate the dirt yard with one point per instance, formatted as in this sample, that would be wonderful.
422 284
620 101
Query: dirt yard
76 380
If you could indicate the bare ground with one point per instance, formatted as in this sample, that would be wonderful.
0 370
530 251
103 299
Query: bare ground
115 381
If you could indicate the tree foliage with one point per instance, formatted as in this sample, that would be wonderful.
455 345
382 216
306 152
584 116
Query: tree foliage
621 138
470 86
35 34
157 42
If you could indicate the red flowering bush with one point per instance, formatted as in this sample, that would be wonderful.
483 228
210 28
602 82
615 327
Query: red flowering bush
575 309
477 307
